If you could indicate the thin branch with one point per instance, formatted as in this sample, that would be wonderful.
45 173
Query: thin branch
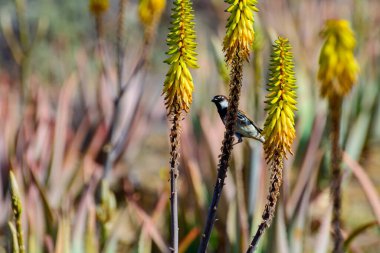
108 161
107 154
110 151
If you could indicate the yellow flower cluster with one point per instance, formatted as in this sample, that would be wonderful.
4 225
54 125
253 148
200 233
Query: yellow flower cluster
150 11
338 68
240 34
98 7
281 101
178 85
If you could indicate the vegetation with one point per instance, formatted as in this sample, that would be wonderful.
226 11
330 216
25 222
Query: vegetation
88 99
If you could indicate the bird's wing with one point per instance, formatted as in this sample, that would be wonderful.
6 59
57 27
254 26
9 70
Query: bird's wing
243 120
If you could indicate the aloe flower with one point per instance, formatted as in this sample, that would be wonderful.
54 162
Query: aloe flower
240 34
150 11
98 7
178 85
281 101
338 68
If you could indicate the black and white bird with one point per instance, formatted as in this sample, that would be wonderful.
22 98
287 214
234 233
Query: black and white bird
245 127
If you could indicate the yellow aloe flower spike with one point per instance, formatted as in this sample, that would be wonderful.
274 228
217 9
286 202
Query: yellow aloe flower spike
150 11
281 101
240 34
338 68
98 7
178 85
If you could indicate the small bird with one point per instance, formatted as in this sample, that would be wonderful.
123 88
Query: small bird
245 127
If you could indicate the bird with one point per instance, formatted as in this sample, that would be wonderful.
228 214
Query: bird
245 127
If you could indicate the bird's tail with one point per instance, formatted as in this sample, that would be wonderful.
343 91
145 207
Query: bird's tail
259 138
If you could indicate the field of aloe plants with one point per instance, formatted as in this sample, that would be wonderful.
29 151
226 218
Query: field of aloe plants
109 141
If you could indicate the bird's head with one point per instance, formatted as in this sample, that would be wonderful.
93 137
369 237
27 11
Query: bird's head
220 101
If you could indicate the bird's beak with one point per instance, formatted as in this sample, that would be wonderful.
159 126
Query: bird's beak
213 100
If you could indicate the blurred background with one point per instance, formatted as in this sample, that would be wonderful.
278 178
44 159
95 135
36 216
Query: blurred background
60 71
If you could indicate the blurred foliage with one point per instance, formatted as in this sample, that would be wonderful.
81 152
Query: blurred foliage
51 141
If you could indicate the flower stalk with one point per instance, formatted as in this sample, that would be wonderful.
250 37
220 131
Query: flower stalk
177 90
279 127
335 108
237 44
337 74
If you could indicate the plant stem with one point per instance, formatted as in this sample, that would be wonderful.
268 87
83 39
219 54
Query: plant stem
174 156
336 160
235 89
270 207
